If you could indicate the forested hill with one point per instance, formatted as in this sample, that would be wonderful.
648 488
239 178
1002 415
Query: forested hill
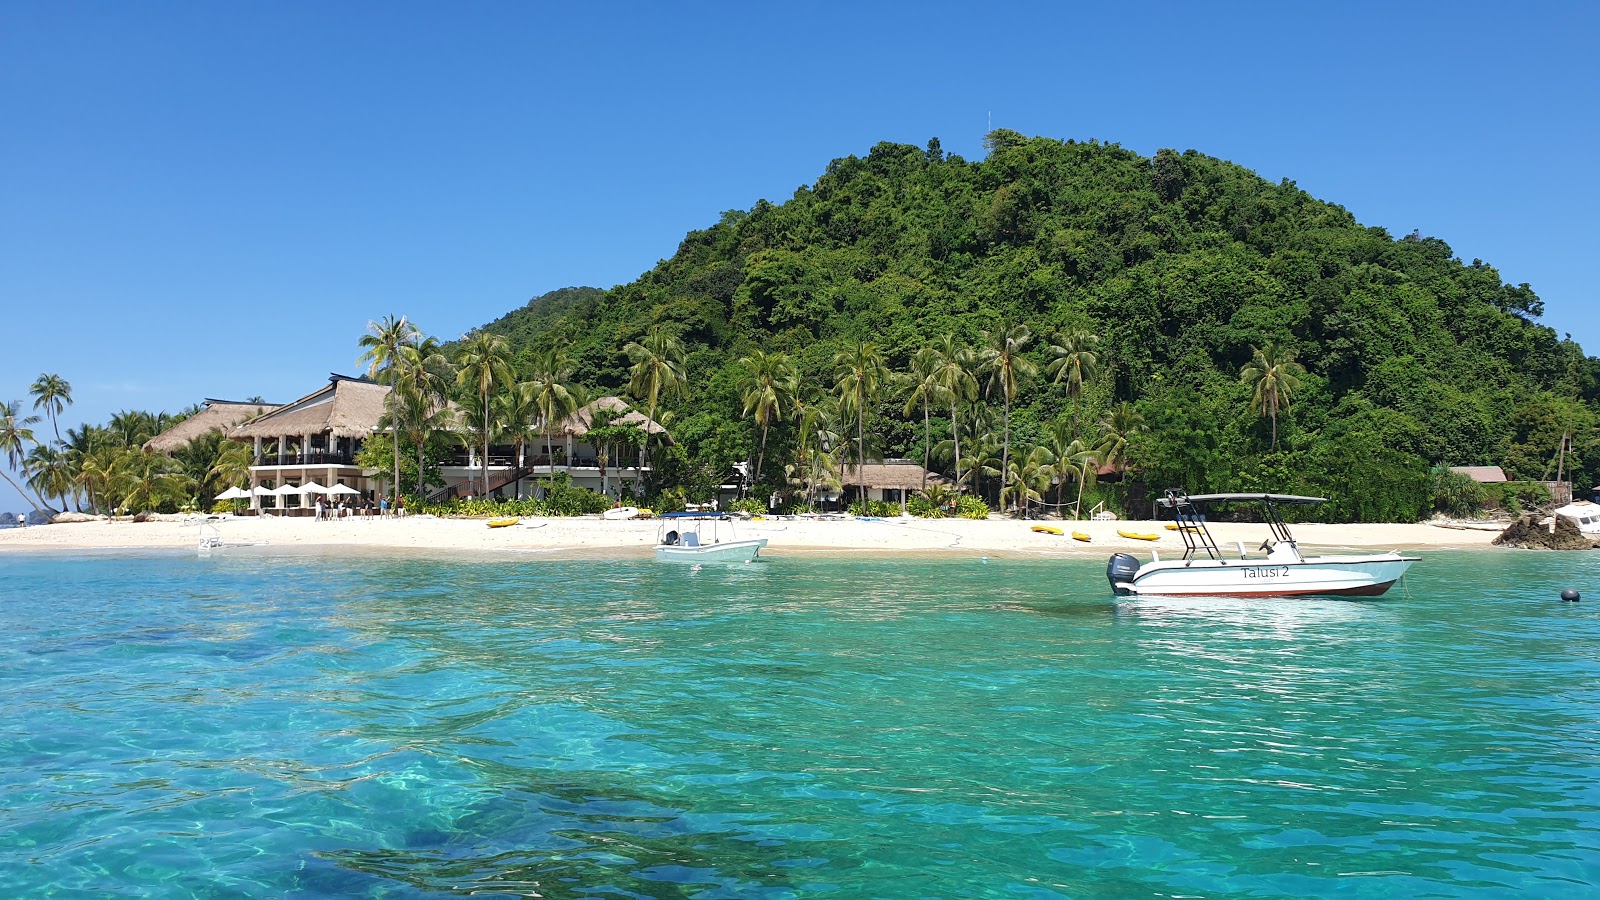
1181 263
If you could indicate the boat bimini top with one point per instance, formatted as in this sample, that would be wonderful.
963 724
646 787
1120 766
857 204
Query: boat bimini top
1197 537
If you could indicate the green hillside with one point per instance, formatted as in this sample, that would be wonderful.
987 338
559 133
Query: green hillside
1181 264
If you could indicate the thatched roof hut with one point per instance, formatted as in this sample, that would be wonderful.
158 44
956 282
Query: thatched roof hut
579 423
891 474
344 407
214 415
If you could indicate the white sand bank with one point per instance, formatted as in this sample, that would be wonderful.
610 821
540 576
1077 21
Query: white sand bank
583 535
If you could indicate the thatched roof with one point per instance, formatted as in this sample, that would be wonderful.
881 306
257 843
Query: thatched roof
1482 474
214 415
345 407
899 474
579 423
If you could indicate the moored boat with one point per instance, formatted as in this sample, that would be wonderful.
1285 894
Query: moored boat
1281 572
703 537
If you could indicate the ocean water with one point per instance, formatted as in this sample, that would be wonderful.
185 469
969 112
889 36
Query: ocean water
257 725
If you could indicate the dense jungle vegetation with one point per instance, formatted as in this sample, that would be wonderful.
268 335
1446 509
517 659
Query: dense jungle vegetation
1174 270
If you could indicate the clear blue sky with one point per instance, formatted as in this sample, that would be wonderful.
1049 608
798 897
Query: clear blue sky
213 199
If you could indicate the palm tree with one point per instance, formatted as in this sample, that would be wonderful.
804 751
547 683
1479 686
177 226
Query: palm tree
657 371
48 471
954 365
1273 375
770 388
859 374
1008 370
925 387
147 479
382 344
97 473
1117 428
53 394
1076 362
15 433
553 395
421 393
518 412
484 365
816 442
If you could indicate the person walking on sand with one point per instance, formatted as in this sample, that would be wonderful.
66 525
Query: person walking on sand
400 507
383 508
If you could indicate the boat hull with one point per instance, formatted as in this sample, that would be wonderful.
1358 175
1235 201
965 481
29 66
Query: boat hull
1326 576
727 551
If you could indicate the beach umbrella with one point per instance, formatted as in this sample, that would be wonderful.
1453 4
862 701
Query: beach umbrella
262 491
233 493
342 489
311 487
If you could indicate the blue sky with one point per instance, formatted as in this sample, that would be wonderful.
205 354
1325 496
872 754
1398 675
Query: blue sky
212 200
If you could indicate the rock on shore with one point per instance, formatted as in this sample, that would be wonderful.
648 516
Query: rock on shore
1528 533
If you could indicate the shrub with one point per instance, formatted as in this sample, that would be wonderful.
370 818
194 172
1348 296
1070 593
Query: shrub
874 508
969 507
1456 494
748 505
923 508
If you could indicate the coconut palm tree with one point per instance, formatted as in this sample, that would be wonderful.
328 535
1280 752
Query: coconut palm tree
421 397
859 374
49 472
553 394
1273 376
16 433
484 366
381 352
817 442
771 382
518 412
1118 427
1075 362
52 394
954 364
146 480
924 386
657 371
1008 371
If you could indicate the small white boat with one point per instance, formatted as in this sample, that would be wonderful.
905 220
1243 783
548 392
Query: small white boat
697 537
1586 514
1280 572
621 512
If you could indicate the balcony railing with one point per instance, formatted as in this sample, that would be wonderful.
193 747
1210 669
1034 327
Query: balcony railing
313 458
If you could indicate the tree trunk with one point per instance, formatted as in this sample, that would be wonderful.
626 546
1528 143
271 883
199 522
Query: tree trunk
20 492
955 435
927 446
485 445
761 456
1078 510
1005 455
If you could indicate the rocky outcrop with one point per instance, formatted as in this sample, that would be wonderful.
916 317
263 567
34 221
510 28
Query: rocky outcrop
1530 533
67 517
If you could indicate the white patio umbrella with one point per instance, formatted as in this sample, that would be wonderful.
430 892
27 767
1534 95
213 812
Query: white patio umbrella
262 491
233 493
311 487
342 489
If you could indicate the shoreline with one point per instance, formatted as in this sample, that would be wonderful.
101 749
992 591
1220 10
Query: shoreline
581 537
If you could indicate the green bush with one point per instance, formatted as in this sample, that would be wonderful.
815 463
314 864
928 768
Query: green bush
923 508
874 508
748 505
1456 494
1513 496
970 507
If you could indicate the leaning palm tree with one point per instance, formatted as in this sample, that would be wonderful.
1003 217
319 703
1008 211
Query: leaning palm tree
924 386
381 352
771 382
859 374
484 363
16 433
657 371
52 394
1008 371
1273 376
954 364
1075 362
49 472
553 395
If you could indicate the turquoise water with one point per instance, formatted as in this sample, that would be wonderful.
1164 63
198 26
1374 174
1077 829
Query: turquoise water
266 726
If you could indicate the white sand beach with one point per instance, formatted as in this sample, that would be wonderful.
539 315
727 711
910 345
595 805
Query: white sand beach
593 535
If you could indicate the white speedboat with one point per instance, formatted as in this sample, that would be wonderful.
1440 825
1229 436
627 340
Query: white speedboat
1585 514
1280 570
697 537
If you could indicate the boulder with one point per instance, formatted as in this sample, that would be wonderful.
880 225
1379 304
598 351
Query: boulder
1529 533
67 517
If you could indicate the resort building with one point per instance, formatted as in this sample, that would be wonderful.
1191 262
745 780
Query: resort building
893 480
214 415
315 438
601 467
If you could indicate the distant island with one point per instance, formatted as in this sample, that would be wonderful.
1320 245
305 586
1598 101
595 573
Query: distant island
1060 327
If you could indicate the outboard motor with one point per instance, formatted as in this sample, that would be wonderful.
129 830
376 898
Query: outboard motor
1120 571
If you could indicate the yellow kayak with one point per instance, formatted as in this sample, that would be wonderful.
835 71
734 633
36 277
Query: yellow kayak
1080 536
1046 529
1140 537
503 522
1172 527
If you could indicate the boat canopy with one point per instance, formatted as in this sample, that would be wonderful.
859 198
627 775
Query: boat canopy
693 515
1254 498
